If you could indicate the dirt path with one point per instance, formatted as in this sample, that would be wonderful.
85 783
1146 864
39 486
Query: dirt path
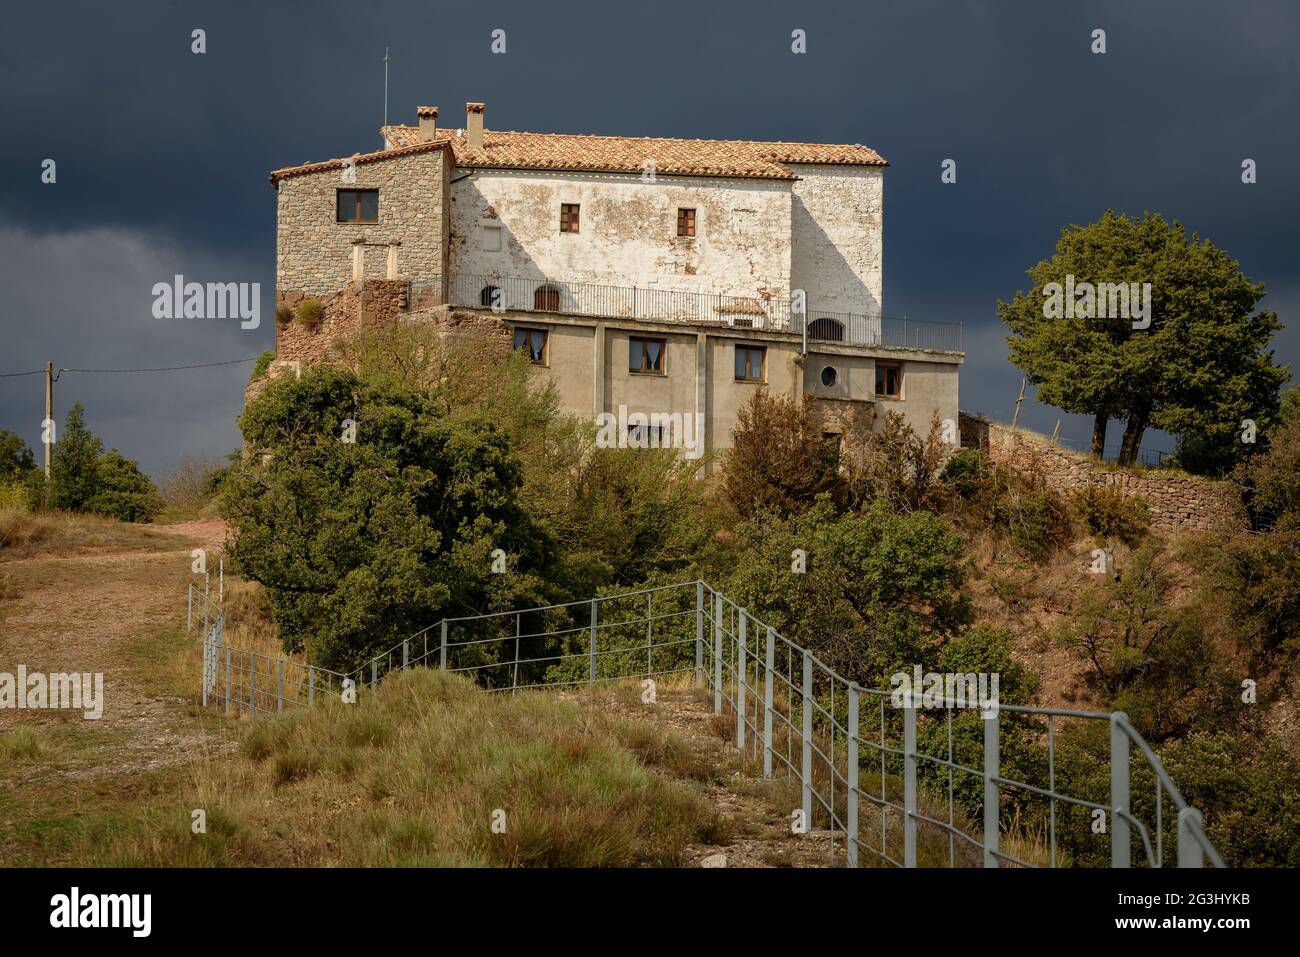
119 612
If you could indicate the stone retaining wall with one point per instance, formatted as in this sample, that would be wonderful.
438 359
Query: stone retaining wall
1176 501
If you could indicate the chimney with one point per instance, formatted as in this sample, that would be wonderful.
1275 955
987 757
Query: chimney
428 116
474 125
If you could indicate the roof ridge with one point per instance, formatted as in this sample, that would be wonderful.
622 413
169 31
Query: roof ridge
622 136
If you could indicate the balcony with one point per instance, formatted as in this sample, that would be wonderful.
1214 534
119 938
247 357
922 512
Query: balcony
698 309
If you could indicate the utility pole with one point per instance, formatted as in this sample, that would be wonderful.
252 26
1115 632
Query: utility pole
47 425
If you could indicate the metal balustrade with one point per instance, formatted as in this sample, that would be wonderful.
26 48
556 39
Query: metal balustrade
519 294
881 781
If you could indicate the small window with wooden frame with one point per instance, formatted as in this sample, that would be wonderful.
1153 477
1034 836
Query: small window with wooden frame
569 217
686 222
535 343
357 206
646 356
889 380
751 363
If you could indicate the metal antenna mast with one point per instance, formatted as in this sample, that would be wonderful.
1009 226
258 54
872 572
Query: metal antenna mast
385 86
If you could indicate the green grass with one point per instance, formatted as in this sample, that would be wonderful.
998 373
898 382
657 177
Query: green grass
412 775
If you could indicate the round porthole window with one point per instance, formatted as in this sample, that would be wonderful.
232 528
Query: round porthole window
829 376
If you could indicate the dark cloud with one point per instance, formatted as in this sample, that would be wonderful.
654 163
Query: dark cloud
163 155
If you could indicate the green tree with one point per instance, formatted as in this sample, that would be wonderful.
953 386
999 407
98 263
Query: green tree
879 593
74 464
122 491
360 544
1198 369
15 456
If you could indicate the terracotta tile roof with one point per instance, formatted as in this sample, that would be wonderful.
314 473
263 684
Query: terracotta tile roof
402 150
628 154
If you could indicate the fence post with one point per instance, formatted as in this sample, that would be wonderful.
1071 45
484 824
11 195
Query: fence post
406 653
717 653
1189 848
909 779
768 662
221 579
227 679
311 685
279 687
851 838
806 802
205 603
189 608
442 657
699 634
740 679
252 684
992 790
1119 794
591 649
514 679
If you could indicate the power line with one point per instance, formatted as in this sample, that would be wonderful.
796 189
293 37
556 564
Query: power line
203 365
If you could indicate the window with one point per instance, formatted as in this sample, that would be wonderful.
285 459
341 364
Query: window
646 437
490 238
829 377
489 297
889 380
357 206
546 299
568 217
685 222
751 362
646 356
533 340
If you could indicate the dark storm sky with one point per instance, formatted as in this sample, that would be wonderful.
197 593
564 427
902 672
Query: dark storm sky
163 155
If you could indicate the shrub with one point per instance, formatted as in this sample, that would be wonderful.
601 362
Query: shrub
779 461
309 314
13 494
263 363
993 495
892 463
1108 513
1248 791
283 314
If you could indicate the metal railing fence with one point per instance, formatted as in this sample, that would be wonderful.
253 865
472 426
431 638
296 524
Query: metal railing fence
893 785
546 295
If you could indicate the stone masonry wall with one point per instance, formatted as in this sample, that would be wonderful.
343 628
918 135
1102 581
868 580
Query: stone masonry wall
314 252
380 302
1176 501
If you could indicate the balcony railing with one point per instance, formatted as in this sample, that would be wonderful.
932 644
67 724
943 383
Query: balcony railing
698 309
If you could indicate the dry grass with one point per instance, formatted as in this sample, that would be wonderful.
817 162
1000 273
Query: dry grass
412 774
248 621
26 534
22 744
